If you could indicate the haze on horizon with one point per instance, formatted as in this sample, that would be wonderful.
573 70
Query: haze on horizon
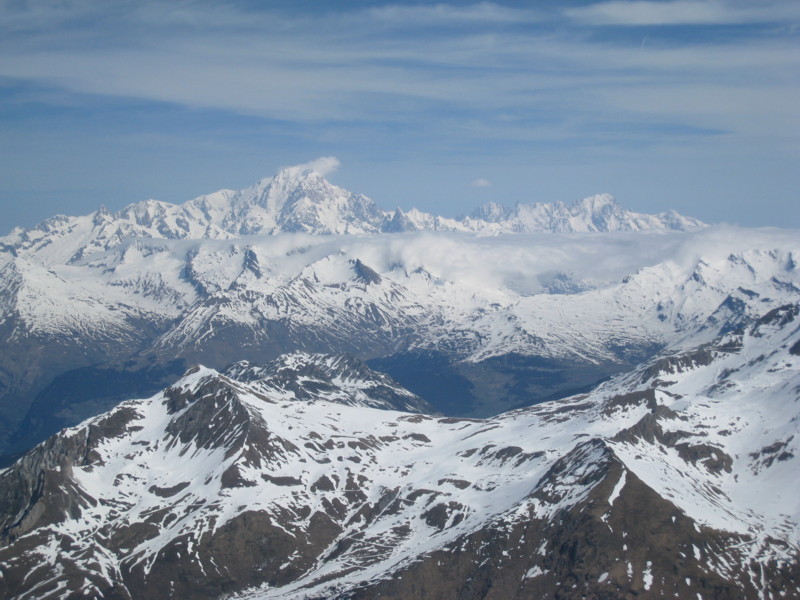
692 105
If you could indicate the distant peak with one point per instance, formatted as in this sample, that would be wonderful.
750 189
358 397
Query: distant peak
491 212
597 201
101 216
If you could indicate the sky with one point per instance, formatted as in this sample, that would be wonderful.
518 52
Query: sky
692 105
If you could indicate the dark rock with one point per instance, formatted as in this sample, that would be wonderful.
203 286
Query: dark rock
168 492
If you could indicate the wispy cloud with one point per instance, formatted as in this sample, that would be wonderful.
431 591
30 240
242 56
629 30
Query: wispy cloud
426 81
684 12
481 183
324 165
449 14
309 68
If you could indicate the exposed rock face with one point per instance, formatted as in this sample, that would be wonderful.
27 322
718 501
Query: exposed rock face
642 547
232 484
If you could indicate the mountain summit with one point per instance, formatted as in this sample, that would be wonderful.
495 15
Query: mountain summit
300 200
596 213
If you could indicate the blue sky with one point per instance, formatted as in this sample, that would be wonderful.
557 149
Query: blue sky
685 104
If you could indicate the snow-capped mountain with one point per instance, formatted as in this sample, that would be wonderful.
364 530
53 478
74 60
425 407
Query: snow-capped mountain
678 479
520 318
300 199
342 379
297 199
596 213
667 466
85 392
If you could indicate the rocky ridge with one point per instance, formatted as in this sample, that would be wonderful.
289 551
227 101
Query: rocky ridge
342 379
651 485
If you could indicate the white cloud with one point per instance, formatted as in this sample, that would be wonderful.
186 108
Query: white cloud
473 79
518 261
484 12
324 165
683 12
481 183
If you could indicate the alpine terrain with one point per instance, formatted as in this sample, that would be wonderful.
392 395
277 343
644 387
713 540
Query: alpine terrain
288 392
99 308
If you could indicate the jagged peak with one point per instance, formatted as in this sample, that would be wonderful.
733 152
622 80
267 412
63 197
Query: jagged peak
398 222
299 361
596 203
365 273
340 378
491 212
100 217
191 386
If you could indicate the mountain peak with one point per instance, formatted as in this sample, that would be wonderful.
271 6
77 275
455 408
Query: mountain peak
102 215
299 199
491 212
596 203
338 378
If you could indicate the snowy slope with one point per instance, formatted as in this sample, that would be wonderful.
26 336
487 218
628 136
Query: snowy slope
339 378
483 296
216 485
601 300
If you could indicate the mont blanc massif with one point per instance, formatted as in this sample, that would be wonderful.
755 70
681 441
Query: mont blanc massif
288 392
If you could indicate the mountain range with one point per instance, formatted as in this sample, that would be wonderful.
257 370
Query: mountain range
129 296
475 325
287 392
677 479
299 200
